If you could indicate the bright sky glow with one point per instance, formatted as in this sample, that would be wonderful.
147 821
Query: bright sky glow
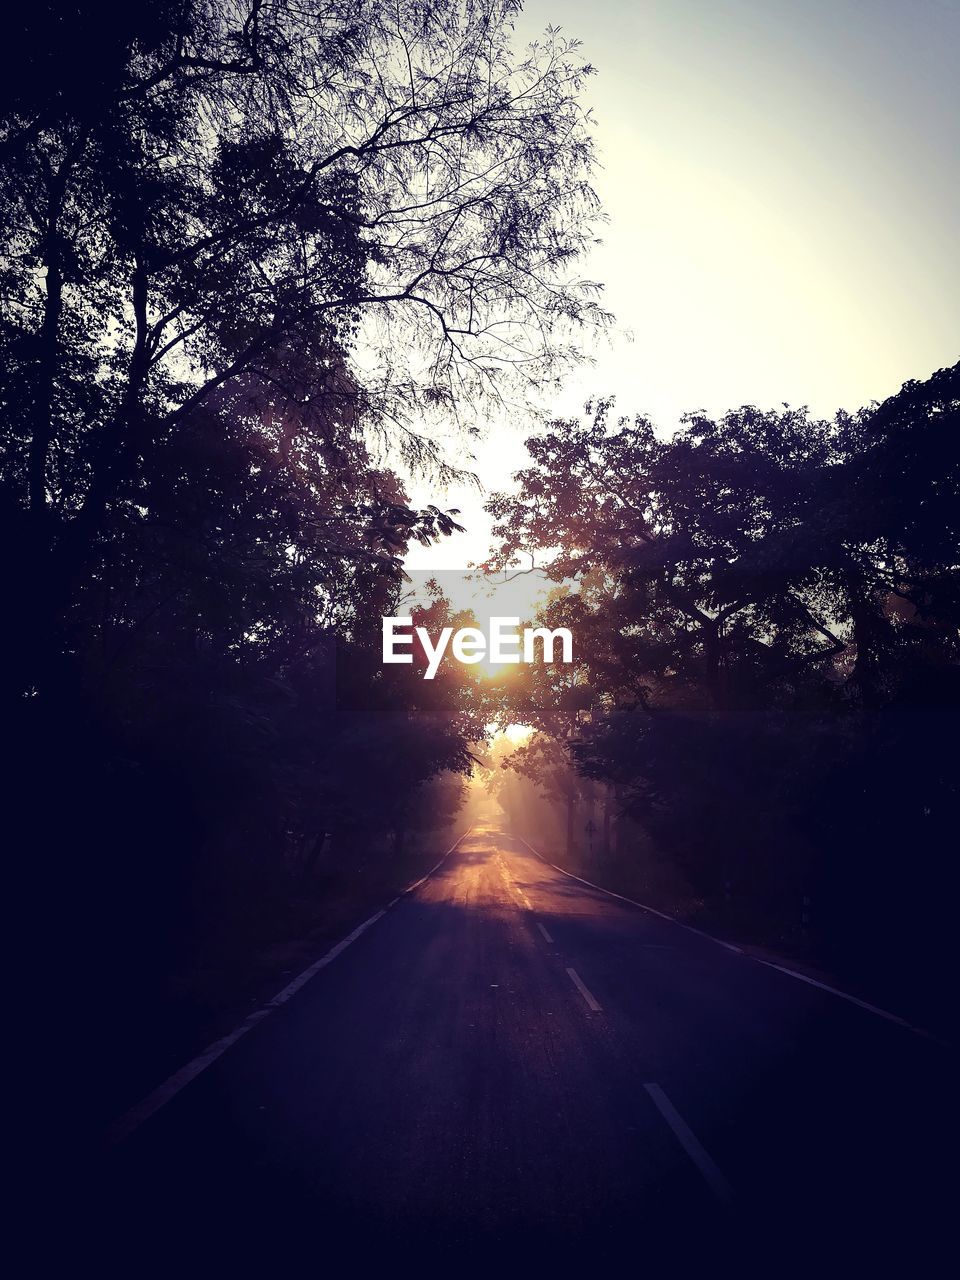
783 191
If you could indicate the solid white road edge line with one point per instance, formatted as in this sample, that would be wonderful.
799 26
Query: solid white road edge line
854 1000
729 946
582 988
688 1140
159 1097
791 973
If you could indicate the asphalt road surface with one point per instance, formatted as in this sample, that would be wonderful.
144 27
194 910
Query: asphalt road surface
512 1067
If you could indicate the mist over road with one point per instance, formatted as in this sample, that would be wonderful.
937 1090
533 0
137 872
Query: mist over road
511 1060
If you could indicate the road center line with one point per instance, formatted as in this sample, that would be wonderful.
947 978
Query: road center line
688 1140
582 988
543 930
512 888
729 946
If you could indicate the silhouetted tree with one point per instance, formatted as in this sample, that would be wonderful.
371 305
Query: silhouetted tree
333 202
254 255
767 621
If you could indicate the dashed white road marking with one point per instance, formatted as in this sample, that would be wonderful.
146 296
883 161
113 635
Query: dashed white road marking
688 1140
148 1106
584 991
729 946
543 930
511 887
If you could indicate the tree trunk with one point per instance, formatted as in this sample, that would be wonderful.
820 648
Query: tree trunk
41 427
870 637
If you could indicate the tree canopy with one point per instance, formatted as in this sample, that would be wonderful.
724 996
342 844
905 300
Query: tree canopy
258 260
765 608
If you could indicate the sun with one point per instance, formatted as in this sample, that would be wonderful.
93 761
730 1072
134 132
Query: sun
517 733
488 670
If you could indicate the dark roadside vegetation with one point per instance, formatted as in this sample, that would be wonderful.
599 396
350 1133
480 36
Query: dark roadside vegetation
261 264
233 327
761 734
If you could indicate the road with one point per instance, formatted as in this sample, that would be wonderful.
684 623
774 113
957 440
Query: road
512 1065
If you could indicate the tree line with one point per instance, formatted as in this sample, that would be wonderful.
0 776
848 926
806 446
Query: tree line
261 263
767 613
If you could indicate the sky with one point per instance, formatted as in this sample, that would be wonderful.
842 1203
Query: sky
782 184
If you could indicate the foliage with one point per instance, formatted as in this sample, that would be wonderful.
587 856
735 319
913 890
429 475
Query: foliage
767 635
251 255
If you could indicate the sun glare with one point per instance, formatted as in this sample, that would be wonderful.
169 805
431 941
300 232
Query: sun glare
488 670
